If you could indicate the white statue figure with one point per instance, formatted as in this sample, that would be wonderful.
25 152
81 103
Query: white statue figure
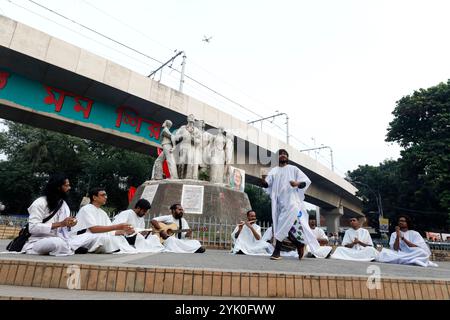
188 138
229 151
217 147
203 152
168 145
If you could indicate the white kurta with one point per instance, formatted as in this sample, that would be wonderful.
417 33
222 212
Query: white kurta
151 244
172 243
43 239
107 242
419 255
247 243
357 252
319 233
288 205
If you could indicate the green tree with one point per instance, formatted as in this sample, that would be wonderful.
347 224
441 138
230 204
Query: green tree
260 202
418 183
421 125
33 154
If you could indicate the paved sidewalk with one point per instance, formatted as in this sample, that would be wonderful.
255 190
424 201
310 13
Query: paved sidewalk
220 260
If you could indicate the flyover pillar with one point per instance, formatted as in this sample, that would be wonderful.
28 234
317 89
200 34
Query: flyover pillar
332 218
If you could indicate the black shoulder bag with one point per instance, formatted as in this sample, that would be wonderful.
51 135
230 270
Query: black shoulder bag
24 234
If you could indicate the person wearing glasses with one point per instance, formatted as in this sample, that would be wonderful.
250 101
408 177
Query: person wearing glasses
357 244
407 246
94 231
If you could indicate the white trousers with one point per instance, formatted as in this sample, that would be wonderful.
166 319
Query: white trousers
53 246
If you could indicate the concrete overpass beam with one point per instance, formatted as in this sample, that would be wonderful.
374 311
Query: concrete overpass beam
332 218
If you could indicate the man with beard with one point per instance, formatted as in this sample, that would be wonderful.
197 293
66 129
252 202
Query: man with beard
141 240
51 236
178 242
286 185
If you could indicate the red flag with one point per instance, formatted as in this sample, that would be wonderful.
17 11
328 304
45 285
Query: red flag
165 166
131 193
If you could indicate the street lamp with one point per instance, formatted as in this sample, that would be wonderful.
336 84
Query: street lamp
376 194
323 147
273 116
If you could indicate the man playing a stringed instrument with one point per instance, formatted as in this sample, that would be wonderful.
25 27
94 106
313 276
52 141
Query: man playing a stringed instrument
141 239
247 238
174 230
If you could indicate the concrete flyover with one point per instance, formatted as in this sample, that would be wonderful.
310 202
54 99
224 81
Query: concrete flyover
49 83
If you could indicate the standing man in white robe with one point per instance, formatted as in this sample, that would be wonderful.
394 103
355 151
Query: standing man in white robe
407 246
177 243
286 185
246 238
357 244
51 237
135 218
94 231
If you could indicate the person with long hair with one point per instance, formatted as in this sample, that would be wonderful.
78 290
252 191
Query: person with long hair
51 237
407 246
286 185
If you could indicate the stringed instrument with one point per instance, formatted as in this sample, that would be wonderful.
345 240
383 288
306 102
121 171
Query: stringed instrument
170 229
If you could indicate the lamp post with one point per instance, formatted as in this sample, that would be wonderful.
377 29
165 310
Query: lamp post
323 147
376 194
273 116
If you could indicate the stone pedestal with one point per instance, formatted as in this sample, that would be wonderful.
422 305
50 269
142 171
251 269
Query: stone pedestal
219 201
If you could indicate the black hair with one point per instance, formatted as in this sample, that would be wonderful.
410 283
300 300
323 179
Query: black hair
143 204
174 206
94 192
250 211
284 151
53 191
407 218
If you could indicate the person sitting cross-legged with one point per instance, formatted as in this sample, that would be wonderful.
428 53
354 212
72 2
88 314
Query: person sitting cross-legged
246 238
407 246
177 242
357 244
94 231
142 240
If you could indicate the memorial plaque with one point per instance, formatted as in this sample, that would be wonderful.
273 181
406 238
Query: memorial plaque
149 192
192 199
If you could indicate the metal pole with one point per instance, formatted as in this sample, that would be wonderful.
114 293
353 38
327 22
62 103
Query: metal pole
183 64
332 163
331 153
287 129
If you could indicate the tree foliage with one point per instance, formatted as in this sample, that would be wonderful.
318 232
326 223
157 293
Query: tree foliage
33 154
418 183
260 201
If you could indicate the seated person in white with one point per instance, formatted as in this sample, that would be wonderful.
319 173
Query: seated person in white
357 244
318 233
407 246
177 242
142 240
51 237
94 231
246 238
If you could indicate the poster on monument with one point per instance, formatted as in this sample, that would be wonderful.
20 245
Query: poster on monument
192 199
149 192
237 179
